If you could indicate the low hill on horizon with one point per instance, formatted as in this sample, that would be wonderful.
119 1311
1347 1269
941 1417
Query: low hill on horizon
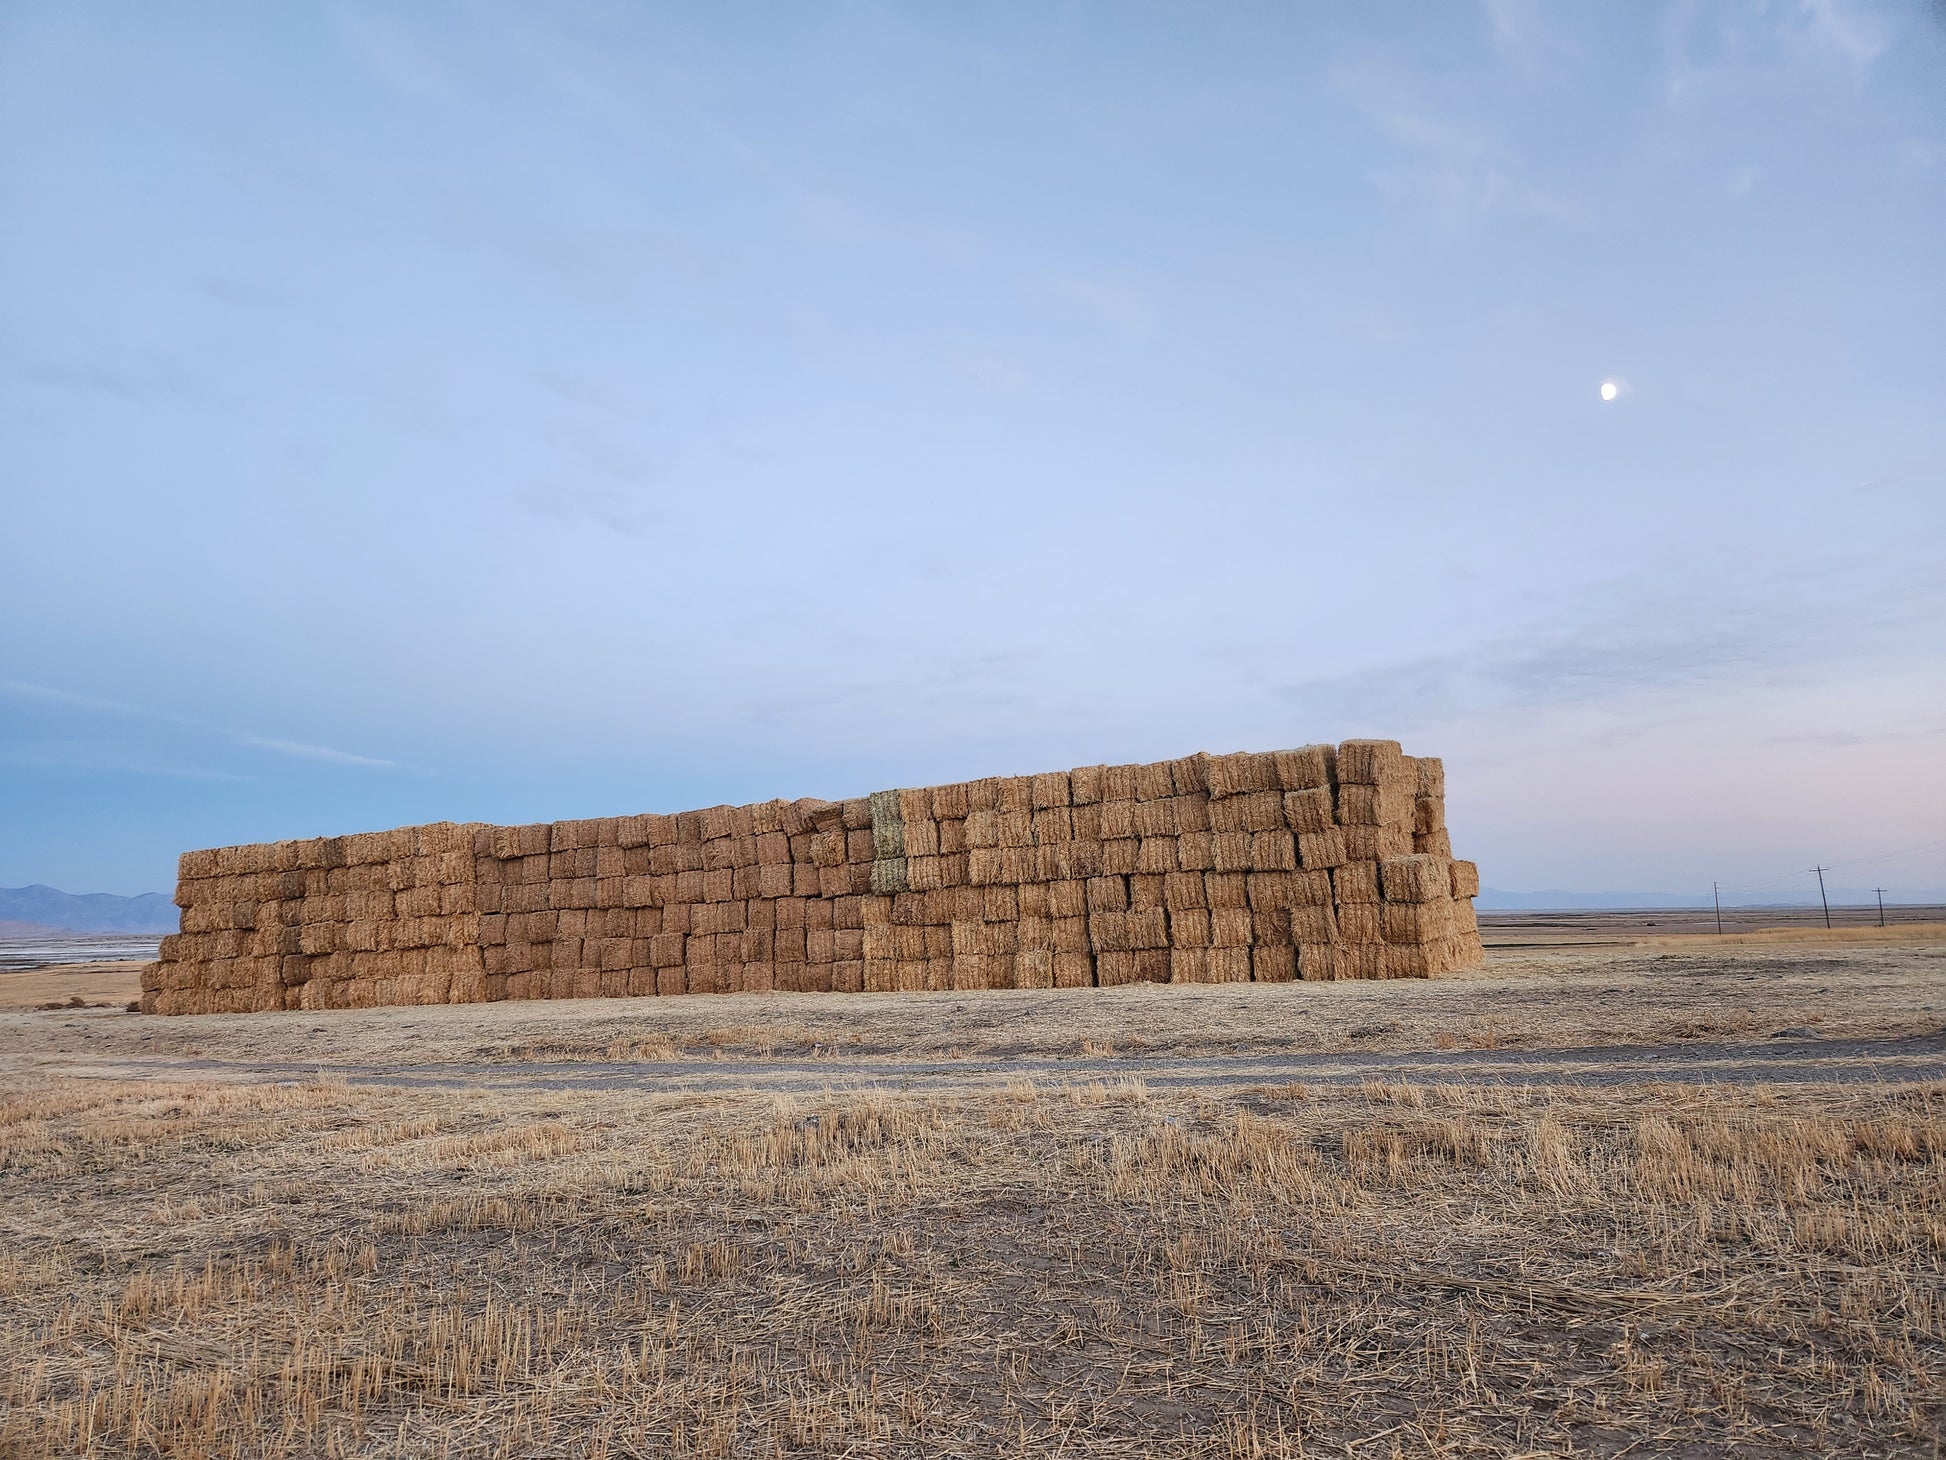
49 908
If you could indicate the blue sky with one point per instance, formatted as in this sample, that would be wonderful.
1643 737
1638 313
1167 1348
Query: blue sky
499 412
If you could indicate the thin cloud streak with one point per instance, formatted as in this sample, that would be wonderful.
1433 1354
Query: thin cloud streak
295 749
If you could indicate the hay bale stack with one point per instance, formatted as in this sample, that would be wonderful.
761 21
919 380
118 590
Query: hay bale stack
1318 863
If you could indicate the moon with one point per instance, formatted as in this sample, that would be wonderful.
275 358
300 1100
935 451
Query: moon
1609 390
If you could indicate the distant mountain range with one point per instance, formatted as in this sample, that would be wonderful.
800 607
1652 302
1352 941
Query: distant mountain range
88 912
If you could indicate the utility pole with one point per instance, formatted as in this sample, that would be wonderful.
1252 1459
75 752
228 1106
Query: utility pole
1821 897
1716 896
1881 905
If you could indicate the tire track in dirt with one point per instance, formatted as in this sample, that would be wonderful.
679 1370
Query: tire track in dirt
1772 1061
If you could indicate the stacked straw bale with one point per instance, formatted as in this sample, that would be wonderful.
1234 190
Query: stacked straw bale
1324 862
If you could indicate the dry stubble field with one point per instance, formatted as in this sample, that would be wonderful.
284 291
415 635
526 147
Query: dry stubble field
228 1260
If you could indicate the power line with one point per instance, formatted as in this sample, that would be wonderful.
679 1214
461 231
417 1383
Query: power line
1821 897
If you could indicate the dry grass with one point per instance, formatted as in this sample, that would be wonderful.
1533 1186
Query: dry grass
1535 998
315 1270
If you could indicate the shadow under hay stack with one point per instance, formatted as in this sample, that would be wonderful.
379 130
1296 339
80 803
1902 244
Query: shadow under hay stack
1327 862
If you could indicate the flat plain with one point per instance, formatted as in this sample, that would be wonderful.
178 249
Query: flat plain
1615 1193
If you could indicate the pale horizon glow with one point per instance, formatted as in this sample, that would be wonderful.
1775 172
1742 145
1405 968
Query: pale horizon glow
509 413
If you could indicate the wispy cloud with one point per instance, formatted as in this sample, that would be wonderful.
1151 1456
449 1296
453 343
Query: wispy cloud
296 749
1706 46
1648 636
1458 170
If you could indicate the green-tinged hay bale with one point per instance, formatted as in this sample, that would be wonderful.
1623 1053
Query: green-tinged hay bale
1318 962
888 876
888 826
1273 965
1309 767
1325 849
1358 922
1437 844
1382 805
1465 879
1416 922
1229 965
1241 773
1415 879
1376 843
1428 815
1370 762
1310 812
